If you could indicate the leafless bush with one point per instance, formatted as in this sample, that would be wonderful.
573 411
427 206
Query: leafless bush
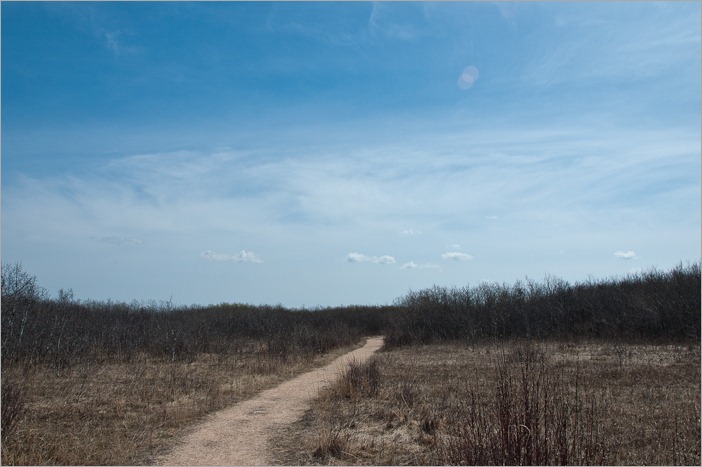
534 419
359 380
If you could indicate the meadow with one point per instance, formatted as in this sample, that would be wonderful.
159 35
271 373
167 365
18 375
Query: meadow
508 403
601 372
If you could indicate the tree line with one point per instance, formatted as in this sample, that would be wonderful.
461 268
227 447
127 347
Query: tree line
60 331
650 305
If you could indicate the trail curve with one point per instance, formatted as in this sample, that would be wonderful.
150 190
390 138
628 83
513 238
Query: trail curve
240 434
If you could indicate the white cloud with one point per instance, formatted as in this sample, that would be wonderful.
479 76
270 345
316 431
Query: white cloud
456 256
361 258
242 257
468 77
413 265
625 254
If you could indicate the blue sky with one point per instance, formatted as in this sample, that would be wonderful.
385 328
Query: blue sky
345 153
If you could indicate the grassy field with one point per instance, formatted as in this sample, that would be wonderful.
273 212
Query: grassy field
513 402
124 413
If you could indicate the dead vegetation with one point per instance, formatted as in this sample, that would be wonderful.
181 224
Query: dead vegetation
515 403
125 413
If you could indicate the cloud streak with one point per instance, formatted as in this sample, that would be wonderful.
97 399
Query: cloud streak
242 257
410 232
412 265
116 240
361 258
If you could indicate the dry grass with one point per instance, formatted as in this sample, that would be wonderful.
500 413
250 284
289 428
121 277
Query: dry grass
125 413
635 404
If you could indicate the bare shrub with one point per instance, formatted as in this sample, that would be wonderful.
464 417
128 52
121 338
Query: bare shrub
535 418
358 380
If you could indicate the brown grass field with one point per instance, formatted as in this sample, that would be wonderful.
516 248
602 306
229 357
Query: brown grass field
508 403
125 413
513 402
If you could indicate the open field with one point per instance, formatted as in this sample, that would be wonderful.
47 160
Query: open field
452 403
124 413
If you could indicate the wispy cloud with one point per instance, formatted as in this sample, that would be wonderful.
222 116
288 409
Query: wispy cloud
530 182
410 232
629 254
242 257
599 46
402 23
560 188
115 42
116 240
361 258
381 188
103 27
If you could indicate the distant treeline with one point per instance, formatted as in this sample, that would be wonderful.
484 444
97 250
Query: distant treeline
651 305
62 331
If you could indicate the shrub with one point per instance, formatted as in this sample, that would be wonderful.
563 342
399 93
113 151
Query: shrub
534 419
359 380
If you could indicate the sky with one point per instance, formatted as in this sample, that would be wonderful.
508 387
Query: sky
325 154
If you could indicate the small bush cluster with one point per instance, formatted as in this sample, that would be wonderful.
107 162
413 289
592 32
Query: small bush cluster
533 419
359 380
647 305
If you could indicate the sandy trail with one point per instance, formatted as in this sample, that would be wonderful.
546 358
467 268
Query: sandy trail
240 434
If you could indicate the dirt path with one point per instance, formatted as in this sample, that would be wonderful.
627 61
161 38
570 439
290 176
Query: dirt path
239 435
